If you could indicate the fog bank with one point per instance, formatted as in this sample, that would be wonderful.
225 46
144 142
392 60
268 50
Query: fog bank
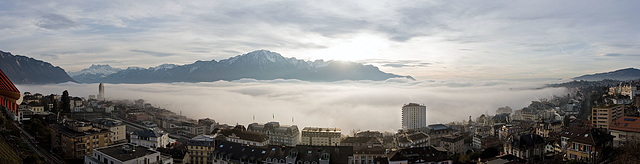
345 104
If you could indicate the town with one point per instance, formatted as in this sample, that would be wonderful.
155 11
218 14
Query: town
596 122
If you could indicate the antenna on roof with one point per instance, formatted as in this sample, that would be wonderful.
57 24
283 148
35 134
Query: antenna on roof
254 118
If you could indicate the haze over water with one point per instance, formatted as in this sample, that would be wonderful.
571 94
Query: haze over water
350 105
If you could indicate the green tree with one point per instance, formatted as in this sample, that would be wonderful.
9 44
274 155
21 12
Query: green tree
66 106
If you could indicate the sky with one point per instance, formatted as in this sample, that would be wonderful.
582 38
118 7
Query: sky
447 39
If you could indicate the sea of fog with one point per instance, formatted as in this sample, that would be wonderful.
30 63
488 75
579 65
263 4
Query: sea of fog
350 105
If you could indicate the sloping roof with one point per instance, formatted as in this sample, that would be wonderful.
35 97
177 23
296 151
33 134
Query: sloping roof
237 152
628 124
9 94
437 127
361 140
151 132
586 135
419 155
337 154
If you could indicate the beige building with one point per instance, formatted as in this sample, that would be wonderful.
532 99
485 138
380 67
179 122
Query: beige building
321 136
602 117
116 127
453 143
78 139
200 149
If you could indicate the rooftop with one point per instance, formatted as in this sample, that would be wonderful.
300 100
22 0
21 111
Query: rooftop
316 129
245 135
108 122
412 104
586 135
126 151
72 133
625 123
151 132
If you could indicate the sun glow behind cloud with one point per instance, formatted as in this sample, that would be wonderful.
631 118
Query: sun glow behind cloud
354 48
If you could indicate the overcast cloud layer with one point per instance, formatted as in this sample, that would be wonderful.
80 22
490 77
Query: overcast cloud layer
458 39
346 104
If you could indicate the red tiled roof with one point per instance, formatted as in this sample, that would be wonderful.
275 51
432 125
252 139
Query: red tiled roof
625 123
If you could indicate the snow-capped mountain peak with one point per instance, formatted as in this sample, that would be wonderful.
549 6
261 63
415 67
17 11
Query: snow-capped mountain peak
97 69
163 67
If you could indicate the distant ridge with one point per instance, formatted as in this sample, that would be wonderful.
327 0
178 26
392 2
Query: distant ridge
260 65
622 75
26 70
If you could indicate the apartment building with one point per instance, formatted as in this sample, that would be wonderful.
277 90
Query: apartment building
321 136
78 139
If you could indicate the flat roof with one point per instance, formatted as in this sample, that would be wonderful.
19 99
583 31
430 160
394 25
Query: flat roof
119 152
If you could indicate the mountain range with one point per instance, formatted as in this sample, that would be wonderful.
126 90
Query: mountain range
26 70
260 65
621 74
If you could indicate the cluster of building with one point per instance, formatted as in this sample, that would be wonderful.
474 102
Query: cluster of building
101 131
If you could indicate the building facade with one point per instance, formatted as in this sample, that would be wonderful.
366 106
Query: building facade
524 145
242 136
625 130
417 139
200 149
116 127
414 116
278 134
78 139
321 136
453 143
602 117
584 144
483 141
151 138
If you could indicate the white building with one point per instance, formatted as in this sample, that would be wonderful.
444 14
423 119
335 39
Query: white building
151 138
126 154
278 135
414 116
321 136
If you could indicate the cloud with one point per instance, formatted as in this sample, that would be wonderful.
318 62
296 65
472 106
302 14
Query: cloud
467 38
619 55
52 56
396 63
344 104
157 54
54 22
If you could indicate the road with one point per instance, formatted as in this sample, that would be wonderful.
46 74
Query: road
27 138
